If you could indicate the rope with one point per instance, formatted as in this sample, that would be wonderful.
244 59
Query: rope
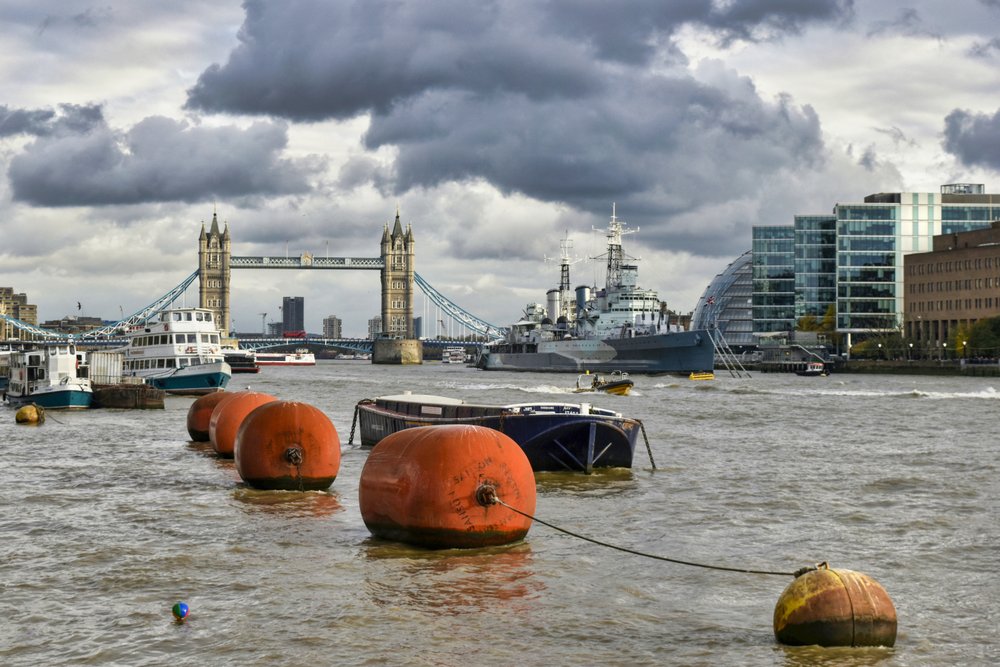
488 497
648 448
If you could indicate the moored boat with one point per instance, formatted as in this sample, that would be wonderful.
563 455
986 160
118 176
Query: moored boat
300 357
813 369
241 361
620 327
47 375
617 383
554 436
180 353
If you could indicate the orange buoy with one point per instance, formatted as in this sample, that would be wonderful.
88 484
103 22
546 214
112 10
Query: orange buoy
200 414
227 416
431 486
835 608
288 445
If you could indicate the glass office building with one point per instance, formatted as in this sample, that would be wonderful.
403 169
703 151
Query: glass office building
773 293
854 258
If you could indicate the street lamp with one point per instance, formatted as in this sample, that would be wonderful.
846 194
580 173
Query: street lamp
944 351
964 349
909 353
880 351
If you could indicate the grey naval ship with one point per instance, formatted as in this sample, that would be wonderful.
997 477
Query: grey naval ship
622 327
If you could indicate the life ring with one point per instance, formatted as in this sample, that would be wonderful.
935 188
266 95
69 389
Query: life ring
189 350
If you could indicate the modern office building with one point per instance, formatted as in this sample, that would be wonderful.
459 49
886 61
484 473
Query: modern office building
773 283
332 327
292 314
953 286
726 304
868 241
374 327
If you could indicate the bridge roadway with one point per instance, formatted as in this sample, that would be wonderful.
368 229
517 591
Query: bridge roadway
252 343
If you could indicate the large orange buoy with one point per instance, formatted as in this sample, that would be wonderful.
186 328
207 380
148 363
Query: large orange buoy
288 445
835 608
433 486
200 414
227 416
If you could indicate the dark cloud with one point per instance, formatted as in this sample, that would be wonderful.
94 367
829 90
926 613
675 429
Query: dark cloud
45 122
573 102
157 160
973 138
897 135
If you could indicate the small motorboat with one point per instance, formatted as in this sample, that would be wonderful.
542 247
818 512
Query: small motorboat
705 375
617 383
813 369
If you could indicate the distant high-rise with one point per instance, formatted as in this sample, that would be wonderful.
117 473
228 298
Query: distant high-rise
292 314
332 327
16 306
374 327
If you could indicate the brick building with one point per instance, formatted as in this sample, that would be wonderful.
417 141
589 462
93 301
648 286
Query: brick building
956 284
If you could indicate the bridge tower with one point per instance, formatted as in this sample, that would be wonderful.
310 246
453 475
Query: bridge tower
213 272
397 281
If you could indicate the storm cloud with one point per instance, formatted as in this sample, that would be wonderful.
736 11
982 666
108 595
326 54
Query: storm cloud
568 102
973 138
73 162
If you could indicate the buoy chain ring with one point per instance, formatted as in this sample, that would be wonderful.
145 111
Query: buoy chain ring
486 495
294 456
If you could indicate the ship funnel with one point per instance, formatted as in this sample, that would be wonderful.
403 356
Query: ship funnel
582 297
553 300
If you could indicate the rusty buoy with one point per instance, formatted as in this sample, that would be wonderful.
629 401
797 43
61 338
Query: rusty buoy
227 416
288 445
30 414
433 486
200 414
832 607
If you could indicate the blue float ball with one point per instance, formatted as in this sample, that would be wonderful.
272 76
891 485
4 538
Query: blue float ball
180 611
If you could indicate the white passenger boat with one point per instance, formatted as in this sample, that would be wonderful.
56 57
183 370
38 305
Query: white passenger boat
48 376
301 357
181 353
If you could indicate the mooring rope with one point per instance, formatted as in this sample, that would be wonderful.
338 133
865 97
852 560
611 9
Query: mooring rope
490 497
649 450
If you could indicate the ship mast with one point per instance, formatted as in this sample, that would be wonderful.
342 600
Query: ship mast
615 254
565 295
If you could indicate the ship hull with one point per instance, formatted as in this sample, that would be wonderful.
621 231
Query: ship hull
677 352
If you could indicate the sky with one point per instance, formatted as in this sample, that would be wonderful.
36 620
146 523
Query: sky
497 129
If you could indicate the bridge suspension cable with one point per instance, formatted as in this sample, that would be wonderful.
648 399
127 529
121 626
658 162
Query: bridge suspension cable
142 315
458 313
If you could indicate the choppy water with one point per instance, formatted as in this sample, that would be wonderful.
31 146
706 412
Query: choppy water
109 517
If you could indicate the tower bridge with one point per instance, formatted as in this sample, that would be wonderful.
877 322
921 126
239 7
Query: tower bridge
395 263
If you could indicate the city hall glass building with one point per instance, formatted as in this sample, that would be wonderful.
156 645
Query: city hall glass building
854 258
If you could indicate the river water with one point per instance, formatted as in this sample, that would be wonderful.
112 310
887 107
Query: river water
110 517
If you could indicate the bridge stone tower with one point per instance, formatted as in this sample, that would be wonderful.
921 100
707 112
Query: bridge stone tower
397 281
213 272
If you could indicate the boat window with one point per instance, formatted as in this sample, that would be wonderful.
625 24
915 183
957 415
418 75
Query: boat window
215 339
183 361
177 317
208 317
170 363
192 338
187 316
198 316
